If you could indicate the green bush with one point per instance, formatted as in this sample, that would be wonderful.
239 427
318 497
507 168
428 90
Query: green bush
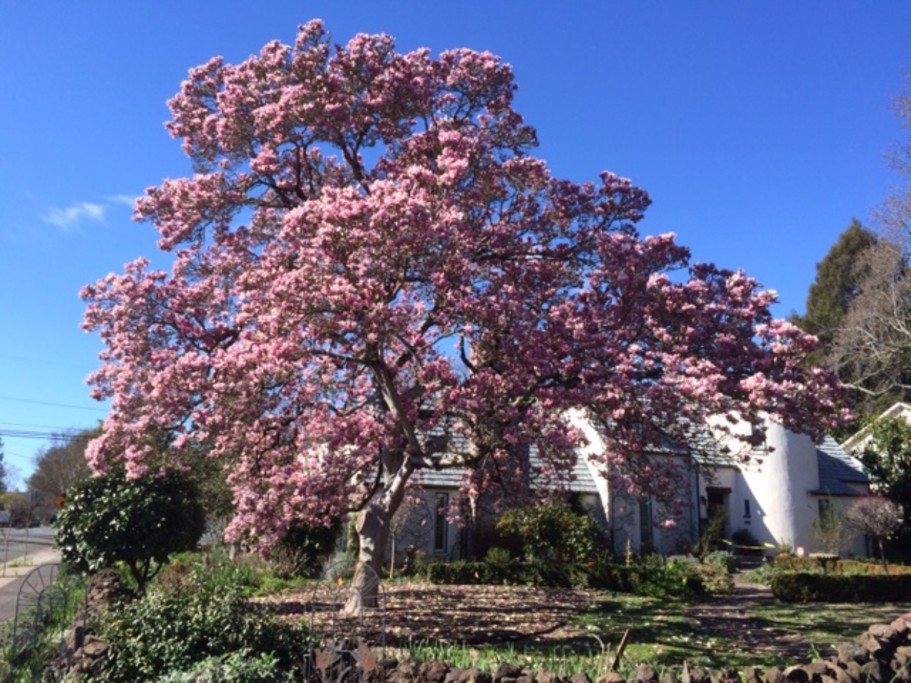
553 531
139 522
814 587
474 572
654 576
497 556
303 549
195 614
236 667
721 558
713 578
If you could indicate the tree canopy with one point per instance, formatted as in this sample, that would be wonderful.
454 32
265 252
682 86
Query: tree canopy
860 303
139 522
59 467
837 283
373 275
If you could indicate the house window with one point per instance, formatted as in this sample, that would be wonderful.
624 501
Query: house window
440 526
746 511
645 523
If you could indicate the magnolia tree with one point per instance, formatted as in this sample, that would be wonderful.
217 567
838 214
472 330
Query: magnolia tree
373 275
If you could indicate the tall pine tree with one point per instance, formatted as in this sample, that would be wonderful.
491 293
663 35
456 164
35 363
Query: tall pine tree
837 278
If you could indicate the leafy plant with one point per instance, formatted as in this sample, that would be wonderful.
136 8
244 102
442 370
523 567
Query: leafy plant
243 666
303 548
193 615
139 522
877 517
553 531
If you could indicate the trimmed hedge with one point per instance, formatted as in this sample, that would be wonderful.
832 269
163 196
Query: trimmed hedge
674 578
812 587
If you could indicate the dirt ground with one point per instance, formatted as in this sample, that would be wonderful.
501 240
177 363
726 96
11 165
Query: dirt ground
416 612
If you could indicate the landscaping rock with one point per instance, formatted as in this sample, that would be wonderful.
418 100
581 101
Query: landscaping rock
507 670
547 677
853 669
611 677
580 677
694 674
876 671
433 671
849 651
774 675
646 673
797 674
474 675
751 674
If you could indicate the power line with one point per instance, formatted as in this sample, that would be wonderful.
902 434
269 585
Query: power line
54 428
45 436
50 403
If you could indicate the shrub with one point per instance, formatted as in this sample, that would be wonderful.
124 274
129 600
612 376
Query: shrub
474 572
236 667
194 616
553 531
304 549
715 579
139 522
654 576
807 587
721 558
497 556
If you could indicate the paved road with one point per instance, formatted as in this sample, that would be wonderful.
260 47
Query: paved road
21 551
17 544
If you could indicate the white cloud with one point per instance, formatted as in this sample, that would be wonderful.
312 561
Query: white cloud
124 199
72 217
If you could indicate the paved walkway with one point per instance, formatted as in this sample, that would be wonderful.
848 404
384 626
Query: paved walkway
14 576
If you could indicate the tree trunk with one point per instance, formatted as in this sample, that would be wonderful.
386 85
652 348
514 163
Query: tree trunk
372 532
882 555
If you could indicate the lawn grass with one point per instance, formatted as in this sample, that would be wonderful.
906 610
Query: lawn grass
664 633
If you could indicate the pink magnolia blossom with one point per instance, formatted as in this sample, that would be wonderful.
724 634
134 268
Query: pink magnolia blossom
372 275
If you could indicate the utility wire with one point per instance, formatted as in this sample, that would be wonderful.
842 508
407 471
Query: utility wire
45 436
49 403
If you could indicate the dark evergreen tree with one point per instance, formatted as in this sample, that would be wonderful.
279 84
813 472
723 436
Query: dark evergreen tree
836 285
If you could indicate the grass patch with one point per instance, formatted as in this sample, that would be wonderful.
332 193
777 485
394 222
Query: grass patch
667 633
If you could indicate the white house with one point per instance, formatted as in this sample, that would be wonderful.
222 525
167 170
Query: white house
858 441
778 492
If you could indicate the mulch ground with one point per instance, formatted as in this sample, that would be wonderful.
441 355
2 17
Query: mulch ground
419 612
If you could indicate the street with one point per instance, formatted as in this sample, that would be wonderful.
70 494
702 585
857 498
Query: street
18 545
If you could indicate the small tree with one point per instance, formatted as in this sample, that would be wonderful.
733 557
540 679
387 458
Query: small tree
59 467
830 529
139 522
877 517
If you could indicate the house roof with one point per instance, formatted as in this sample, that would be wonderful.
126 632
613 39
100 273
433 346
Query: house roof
579 480
857 442
838 470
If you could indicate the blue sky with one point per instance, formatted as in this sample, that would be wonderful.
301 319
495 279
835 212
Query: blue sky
758 128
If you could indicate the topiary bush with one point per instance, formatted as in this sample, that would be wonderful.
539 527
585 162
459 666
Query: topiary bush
139 522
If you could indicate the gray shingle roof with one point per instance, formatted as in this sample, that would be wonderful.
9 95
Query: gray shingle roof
838 470
579 480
